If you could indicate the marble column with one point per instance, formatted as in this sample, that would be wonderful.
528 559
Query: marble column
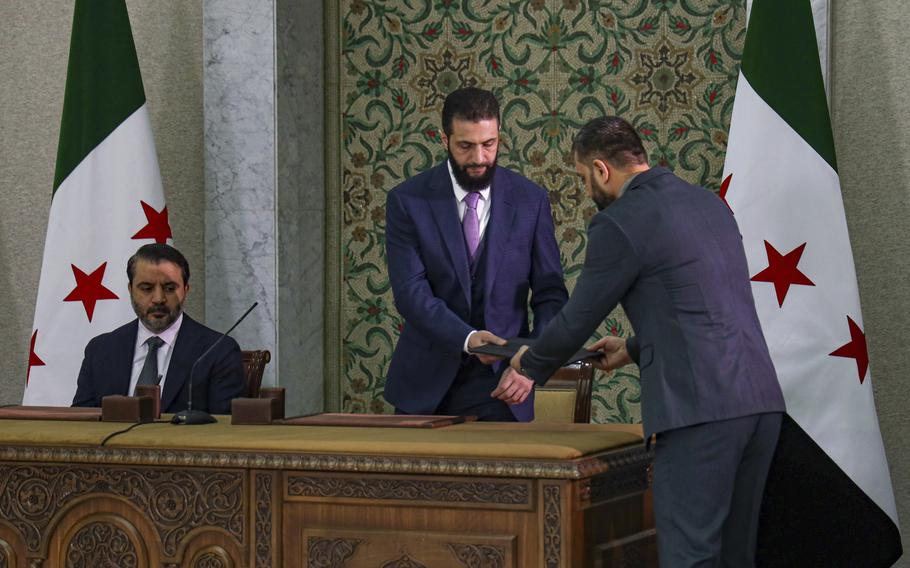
264 194
301 200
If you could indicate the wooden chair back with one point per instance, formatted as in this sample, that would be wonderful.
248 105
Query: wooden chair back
254 363
566 397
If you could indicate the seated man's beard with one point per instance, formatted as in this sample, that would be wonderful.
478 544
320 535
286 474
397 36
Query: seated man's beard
158 325
469 182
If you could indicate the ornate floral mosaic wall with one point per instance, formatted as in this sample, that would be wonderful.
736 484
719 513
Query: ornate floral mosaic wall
668 66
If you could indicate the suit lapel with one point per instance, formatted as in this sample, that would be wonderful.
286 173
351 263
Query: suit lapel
126 350
178 370
441 198
499 228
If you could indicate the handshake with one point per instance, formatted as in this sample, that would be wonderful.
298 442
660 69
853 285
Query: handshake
606 354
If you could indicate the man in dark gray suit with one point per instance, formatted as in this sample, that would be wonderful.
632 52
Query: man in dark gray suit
671 253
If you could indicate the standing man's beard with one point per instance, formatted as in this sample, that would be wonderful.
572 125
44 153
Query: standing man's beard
600 196
469 182
602 200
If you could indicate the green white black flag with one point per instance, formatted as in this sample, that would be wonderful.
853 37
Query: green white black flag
829 500
107 201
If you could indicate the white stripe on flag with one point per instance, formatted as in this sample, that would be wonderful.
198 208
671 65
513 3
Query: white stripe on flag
94 214
783 192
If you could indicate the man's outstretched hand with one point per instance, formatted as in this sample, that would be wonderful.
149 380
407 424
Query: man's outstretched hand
483 337
613 353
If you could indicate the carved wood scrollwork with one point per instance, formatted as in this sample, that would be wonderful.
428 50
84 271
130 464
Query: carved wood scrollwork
479 555
176 501
101 545
7 555
552 526
403 561
263 523
209 560
212 557
330 552
488 492
624 481
158 457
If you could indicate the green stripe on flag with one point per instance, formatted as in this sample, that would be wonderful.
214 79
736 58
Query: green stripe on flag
780 60
103 84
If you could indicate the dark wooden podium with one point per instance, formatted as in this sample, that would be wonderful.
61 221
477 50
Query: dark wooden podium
491 495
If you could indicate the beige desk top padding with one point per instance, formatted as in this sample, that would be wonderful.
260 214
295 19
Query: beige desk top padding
471 440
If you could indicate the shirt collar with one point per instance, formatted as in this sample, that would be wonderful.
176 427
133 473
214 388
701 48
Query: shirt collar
169 335
460 193
627 183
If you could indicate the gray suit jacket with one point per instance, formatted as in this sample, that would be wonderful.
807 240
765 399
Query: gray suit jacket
672 254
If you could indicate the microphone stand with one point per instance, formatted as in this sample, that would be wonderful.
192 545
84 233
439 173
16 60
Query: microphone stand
190 416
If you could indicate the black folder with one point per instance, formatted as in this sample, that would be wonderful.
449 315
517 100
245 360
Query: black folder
511 348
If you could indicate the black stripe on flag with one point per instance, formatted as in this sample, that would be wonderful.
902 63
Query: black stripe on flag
813 514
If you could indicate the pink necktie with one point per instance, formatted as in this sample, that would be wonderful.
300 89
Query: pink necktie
470 223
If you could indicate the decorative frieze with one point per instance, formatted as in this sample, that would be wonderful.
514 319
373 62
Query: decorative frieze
445 491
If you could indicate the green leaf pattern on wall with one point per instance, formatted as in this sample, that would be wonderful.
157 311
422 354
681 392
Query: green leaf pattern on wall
667 66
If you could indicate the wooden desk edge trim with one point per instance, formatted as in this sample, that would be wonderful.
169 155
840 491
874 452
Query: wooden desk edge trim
580 468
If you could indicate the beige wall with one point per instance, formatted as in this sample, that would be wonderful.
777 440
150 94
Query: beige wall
871 115
34 46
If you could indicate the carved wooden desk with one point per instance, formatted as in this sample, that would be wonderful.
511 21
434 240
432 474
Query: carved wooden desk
490 495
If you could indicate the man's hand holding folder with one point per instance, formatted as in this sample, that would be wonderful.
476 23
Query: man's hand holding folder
513 386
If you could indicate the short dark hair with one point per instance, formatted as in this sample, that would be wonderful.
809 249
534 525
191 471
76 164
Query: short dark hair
612 139
156 253
469 103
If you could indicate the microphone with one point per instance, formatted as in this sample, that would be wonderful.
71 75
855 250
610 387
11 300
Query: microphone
190 416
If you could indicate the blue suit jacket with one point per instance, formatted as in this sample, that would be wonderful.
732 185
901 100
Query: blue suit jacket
672 254
108 364
431 280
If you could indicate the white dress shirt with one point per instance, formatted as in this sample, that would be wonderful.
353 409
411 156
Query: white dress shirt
483 215
169 336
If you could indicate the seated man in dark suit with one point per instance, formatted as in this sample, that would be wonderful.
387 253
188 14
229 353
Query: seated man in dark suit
162 344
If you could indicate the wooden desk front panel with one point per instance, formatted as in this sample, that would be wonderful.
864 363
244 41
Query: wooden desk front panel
371 521
83 515
74 507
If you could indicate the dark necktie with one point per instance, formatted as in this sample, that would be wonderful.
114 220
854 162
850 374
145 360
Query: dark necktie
470 223
149 373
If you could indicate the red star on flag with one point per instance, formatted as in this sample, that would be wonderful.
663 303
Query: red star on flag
782 271
157 227
89 289
724 187
856 349
33 359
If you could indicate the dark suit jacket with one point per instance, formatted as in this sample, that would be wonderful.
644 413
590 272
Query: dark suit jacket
672 254
431 280
218 379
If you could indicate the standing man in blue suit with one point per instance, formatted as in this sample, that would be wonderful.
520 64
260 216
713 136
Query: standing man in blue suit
162 344
467 241
672 254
